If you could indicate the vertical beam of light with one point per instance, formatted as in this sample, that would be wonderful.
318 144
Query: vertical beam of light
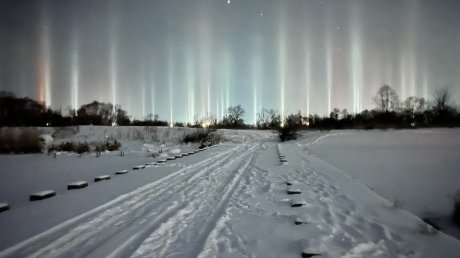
222 102
282 65
205 31
356 60
144 95
113 72
254 107
329 70
170 85
227 71
425 82
75 72
307 78
44 68
152 95
190 81
408 56
402 77
113 55
329 61
256 76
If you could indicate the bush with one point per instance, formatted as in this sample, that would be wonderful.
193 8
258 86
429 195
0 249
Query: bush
203 137
111 145
81 148
292 124
456 213
70 147
20 140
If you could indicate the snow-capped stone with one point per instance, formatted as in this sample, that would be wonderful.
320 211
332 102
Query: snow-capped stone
42 195
100 178
4 206
120 172
77 185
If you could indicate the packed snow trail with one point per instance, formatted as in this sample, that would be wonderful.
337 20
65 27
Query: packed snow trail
235 204
182 208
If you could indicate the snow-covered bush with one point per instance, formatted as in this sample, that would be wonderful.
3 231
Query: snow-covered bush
20 140
78 147
110 145
203 137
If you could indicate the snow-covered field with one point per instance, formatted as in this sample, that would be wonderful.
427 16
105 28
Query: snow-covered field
418 170
231 200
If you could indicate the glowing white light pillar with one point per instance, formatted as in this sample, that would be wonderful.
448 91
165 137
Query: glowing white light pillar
356 60
329 69
425 81
152 95
227 71
307 79
256 76
170 86
190 81
282 65
113 56
74 72
144 96
44 60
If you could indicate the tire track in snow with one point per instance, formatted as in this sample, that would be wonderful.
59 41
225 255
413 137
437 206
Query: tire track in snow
187 231
104 228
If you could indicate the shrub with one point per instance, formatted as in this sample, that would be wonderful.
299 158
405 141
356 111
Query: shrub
79 147
456 213
28 141
20 140
110 145
203 137
292 124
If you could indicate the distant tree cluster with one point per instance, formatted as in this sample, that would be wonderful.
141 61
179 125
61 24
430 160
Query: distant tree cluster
389 112
16 111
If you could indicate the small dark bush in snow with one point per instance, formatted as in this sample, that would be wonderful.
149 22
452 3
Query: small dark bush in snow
456 213
291 125
78 147
203 137
20 140
110 145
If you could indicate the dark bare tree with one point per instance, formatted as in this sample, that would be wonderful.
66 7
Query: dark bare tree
441 100
386 99
234 116
268 119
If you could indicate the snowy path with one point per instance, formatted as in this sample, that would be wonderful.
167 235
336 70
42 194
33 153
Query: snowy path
181 208
235 204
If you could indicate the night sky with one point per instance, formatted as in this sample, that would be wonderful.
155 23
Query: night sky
182 59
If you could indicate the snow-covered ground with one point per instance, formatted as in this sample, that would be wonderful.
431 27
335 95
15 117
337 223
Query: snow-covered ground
416 169
228 201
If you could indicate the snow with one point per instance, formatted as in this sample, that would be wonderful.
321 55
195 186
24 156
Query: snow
228 201
414 169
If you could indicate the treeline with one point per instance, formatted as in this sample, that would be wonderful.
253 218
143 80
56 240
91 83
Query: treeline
15 111
389 112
